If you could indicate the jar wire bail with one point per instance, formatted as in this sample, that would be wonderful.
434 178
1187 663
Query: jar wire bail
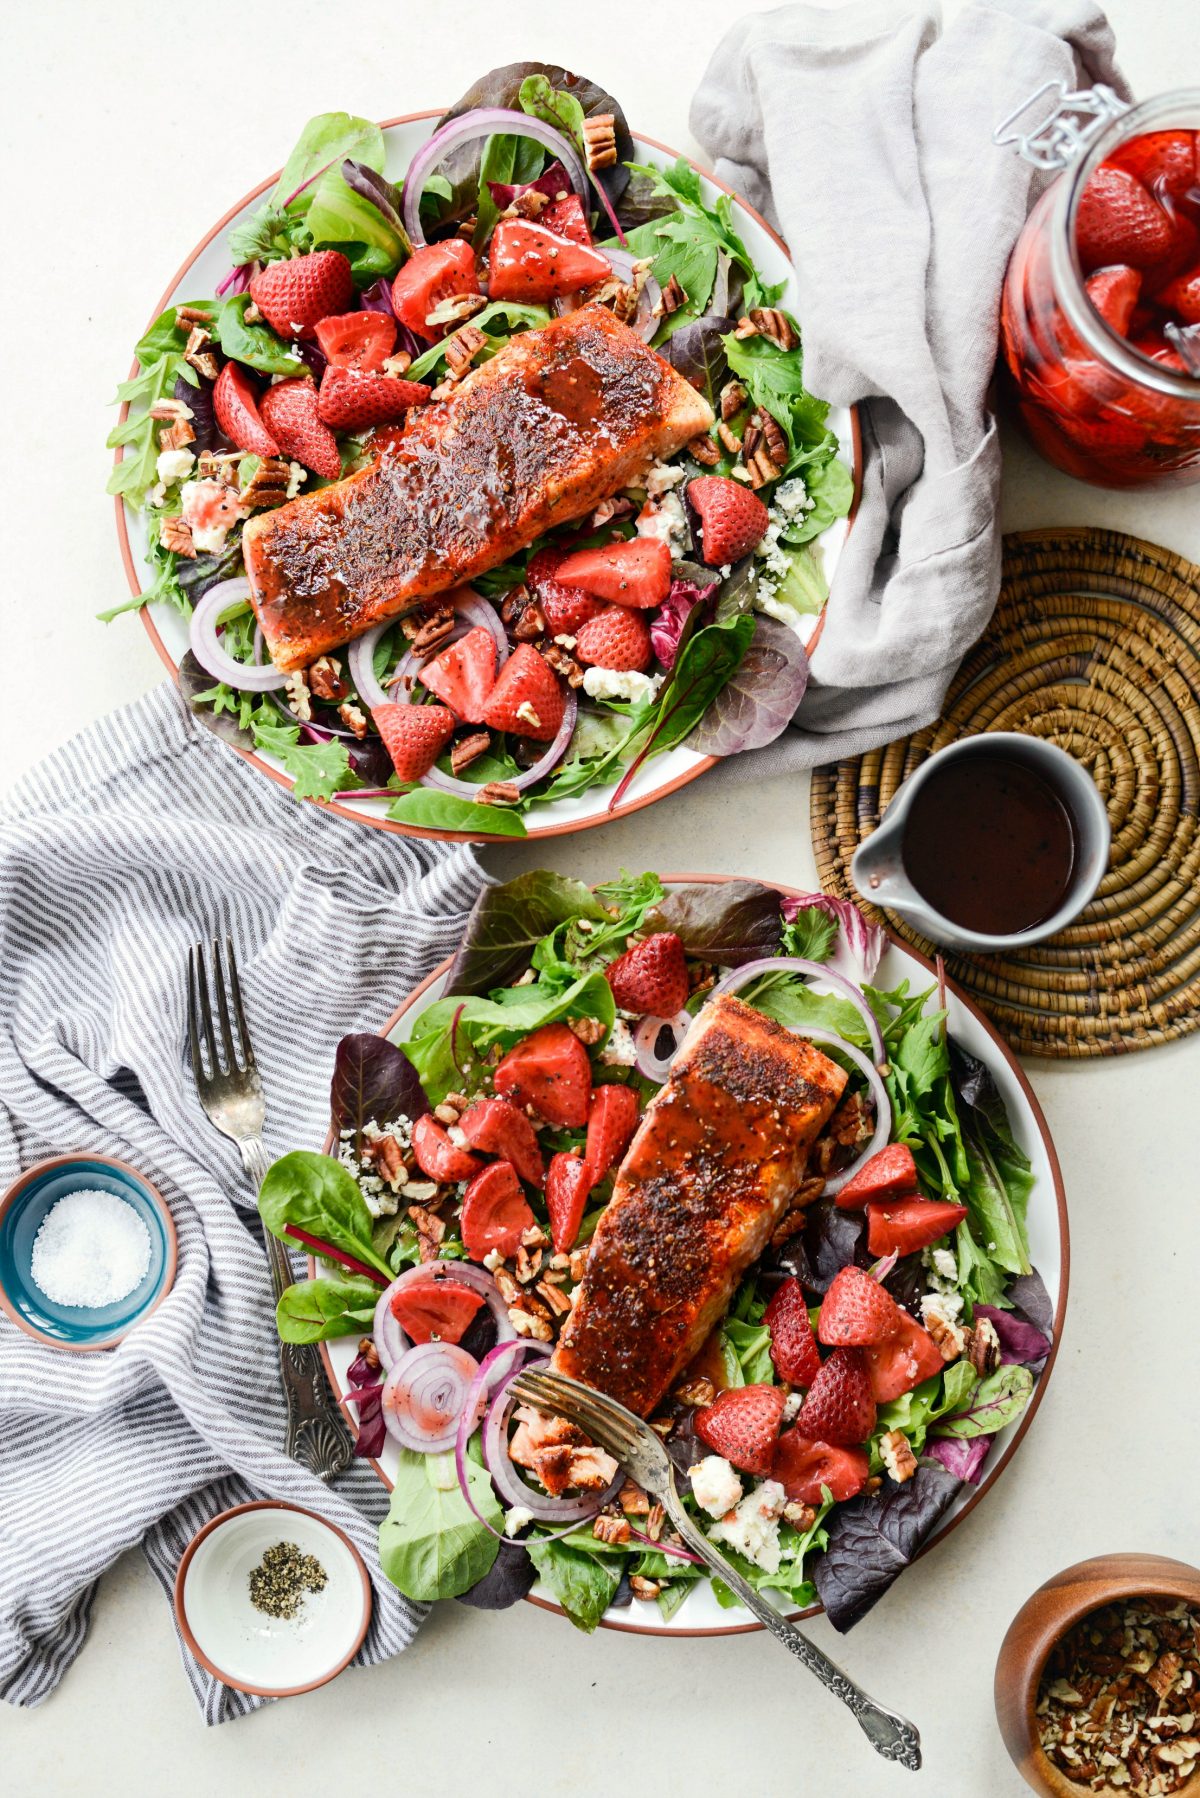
1060 135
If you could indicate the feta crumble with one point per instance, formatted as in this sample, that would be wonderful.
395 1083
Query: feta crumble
662 477
516 1519
945 1264
611 683
666 520
945 1305
716 1486
791 1406
174 464
753 1528
620 1051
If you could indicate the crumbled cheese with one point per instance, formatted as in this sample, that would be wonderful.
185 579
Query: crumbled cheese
946 1305
492 1260
662 477
773 562
516 1519
666 520
791 1406
297 475
458 1136
620 1051
610 683
791 500
946 1265
380 1200
753 1528
716 1487
211 509
174 464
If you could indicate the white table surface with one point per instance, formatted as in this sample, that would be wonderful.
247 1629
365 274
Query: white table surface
118 177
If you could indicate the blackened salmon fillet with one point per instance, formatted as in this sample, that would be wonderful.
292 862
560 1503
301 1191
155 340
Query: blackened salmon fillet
715 1162
561 418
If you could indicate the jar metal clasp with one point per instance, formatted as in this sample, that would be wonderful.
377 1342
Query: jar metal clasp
1055 137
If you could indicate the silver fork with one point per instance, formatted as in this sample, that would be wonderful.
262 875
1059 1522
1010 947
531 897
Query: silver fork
231 1094
640 1452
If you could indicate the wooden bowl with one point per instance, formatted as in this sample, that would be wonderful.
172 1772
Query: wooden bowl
1042 1621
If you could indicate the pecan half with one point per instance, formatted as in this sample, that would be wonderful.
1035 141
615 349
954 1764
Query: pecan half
673 296
733 398
775 326
499 792
176 533
600 140
325 678
468 750
702 449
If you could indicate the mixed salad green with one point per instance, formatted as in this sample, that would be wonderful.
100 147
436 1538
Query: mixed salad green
450 1249
724 666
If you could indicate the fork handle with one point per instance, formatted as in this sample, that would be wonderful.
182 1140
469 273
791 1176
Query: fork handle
890 1735
316 1431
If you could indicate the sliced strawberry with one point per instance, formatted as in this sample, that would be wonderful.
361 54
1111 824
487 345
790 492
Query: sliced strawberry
442 1308
1163 161
743 1425
1182 296
361 341
235 402
564 608
732 519
612 1120
528 262
437 1156
888 1175
652 977
616 638
636 573
550 1070
1114 293
902 1362
464 674
567 218
568 1183
902 1226
856 1310
495 1212
1117 221
802 1467
289 411
296 294
794 1352
1157 349
432 274
495 1127
349 401
528 698
839 1407
413 735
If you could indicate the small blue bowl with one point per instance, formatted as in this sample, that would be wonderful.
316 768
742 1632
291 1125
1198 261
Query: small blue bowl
25 1204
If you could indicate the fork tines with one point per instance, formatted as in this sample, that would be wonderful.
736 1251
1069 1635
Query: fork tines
608 1423
200 1013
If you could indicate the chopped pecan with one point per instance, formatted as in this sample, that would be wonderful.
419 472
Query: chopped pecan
643 1588
577 1264
514 603
219 465
386 1156
731 443
702 449
896 1453
462 349
526 205
733 398
672 297
325 678
556 1300
950 1337
654 1522
356 721
528 1266
633 1500
531 624
1164 1673
252 315
432 629
607 1528
298 700
788 1226
200 358
468 750
696 1391
600 140
526 1324
873 1484
397 365
188 316
745 327
801 1517
368 1351
510 1292
762 468
983 1347
428 1225
535 1237
446 1113
176 436
268 485
751 437
176 533
456 310
564 663
499 792
775 326
467 229
169 411
588 1030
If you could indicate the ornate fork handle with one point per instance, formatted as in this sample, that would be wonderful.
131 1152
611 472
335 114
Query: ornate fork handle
892 1736
312 1416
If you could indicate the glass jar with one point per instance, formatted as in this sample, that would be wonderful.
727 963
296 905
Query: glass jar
1094 404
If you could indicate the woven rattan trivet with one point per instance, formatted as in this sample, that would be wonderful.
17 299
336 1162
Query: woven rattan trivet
1095 645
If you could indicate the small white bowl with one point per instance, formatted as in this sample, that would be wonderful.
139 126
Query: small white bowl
271 1657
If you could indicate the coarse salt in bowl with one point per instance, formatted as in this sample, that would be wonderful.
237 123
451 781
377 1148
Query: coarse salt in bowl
134 1257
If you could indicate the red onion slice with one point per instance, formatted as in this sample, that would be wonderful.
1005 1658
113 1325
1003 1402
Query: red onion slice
513 1489
425 1395
815 970
484 121
645 1041
879 1092
390 1339
206 645
646 319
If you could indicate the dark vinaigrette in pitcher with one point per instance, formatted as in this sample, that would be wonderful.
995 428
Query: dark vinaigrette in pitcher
990 845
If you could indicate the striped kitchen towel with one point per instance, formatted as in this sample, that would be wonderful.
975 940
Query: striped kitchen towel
139 837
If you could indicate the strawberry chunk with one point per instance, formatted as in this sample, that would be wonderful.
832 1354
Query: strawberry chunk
568 1183
463 674
437 1156
289 412
888 1175
743 1425
857 1310
802 1467
636 573
295 294
495 1212
442 1308
567 218
1182 296
1117 221
839 1406
528 262
527 698
351 401
495 1127
361 341
1114 293
413 735
732 519
652 977
616 638
551 1072
1163 161
612 1120
902 1226
565 608
235 402
794 1353
433 274
902 1362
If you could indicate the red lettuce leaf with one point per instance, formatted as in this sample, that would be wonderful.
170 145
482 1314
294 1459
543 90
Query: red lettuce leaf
730 923
667 624
552 181
963 1459
873 1539
372 1078
759 700
506 1582
1020 1342
371 1430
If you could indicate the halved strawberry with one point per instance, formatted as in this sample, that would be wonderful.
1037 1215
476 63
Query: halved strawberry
652 977
289 412
902 1226
794 1352
1114 293
528 262
732 519
1182 296
350 401
495 1212
568 218
888 1175
413 735
235 402
839 1407
294 295
856 1310
550 1070
612 1120
636 573
442 1308
1163 161
1116 220
568 1183
802 1467
616 638
464 674
361 341
743 1425
436 272
528 698
564 608
902 1362
497 1128
437 1156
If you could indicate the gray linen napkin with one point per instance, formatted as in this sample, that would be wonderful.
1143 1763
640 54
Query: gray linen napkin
140 836
864 134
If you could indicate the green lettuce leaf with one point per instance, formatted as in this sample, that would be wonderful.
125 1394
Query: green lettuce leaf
316 1310
431 1545
583 1583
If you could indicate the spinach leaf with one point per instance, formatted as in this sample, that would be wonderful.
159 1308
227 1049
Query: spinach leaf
508 921
430 1543
831 488
732 923
994 1403
372 1078
316 1310
759 699
583 1583
789 1001
255 345
318 1195
873 1539
446 811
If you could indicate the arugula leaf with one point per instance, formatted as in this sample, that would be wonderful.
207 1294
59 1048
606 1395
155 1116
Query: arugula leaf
431 1545
320 1196
583 1583
774 378
316 1310
160 365
447 811
318 770
508 921
256 345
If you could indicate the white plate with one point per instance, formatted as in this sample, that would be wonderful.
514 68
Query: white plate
1049 1250
201 273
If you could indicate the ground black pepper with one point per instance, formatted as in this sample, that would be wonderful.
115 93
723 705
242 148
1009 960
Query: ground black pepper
284 1575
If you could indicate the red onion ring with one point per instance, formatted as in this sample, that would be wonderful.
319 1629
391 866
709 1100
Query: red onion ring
483 121
206 647
879 1092
815 970
645 320
436 1378
387 1331
390 1340
510 1485
475 611
645 1037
